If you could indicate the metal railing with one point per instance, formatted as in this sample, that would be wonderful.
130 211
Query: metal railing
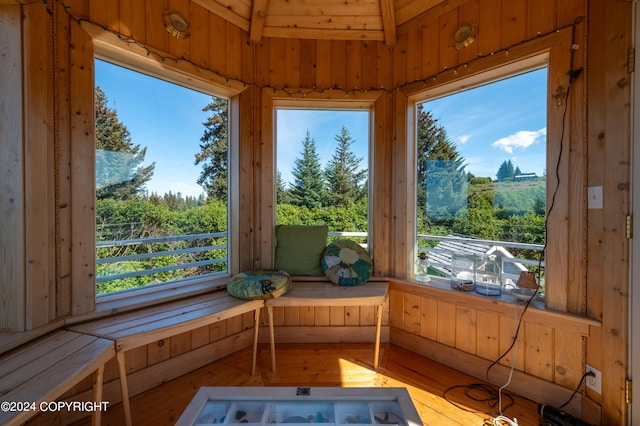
189 254
441 253
111 253
180 252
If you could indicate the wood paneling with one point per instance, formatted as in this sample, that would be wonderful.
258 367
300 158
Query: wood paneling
62 155
39 166
82 148
595 146
542 350
12 291
491 27
609 166
513 21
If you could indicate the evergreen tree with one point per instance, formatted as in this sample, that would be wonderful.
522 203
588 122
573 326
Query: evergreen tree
539 206
440 170
517 172
308 185
214 149
119 171
344 179
282 194
506 171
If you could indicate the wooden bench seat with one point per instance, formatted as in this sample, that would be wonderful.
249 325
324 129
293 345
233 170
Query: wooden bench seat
42 370
141 327
323 293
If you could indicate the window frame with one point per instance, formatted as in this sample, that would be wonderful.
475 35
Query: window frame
282 105
207 84
322 100
552 51
449 89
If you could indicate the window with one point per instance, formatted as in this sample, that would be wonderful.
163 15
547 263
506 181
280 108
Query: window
161 181
481 184
322 170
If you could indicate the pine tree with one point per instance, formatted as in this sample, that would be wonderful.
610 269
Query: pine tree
282 193
119 171
506 171
440 169
213 153
308 186
344 179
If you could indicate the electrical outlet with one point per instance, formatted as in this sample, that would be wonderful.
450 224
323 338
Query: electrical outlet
594 382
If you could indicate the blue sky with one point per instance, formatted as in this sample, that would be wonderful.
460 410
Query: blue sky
161 117
506 120
489 125
323 127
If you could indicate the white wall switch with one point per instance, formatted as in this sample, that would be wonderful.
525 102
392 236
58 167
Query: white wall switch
594 195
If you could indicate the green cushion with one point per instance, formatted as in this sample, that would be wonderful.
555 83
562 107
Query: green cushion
259 284
299 249
345 262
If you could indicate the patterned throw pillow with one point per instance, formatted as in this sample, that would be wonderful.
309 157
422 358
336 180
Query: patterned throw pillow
345 262
259 284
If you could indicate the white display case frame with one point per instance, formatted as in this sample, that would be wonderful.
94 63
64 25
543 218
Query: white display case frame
332 406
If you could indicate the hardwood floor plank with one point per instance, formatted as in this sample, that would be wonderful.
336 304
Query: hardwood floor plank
347 365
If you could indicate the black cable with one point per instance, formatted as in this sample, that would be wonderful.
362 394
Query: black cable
573 74
490 389
479 392
575 391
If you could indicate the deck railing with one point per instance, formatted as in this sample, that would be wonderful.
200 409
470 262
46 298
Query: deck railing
160 259
440 250
186 256
183 255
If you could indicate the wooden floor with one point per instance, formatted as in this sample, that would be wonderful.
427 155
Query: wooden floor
344 365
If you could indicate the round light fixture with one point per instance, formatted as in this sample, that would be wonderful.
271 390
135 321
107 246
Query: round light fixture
465 35
176 24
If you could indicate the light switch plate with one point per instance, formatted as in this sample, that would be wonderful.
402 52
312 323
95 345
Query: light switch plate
594 195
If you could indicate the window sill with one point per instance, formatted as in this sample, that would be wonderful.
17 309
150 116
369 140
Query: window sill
130 300
502 305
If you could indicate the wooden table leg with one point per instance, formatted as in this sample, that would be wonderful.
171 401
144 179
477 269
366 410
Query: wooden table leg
376 353
98 378
256 327
124 390
272 338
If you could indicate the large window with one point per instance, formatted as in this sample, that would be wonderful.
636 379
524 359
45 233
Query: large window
481 184
322 170
161 181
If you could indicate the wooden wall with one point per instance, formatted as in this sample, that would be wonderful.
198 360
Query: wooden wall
592 259
471 332
11 167
609 166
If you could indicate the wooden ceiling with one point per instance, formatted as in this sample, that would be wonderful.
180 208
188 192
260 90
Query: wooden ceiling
324 19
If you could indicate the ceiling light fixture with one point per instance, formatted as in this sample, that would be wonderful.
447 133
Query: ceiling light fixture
176 24
465 35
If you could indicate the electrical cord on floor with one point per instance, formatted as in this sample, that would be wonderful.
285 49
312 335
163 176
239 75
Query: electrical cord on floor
500 421
494 397
478 392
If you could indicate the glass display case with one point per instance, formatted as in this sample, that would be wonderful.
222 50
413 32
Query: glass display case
300 405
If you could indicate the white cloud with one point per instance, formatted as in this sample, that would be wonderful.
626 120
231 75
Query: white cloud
519 140
464 139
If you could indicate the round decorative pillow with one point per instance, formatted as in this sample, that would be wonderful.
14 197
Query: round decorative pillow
262 284
345 262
